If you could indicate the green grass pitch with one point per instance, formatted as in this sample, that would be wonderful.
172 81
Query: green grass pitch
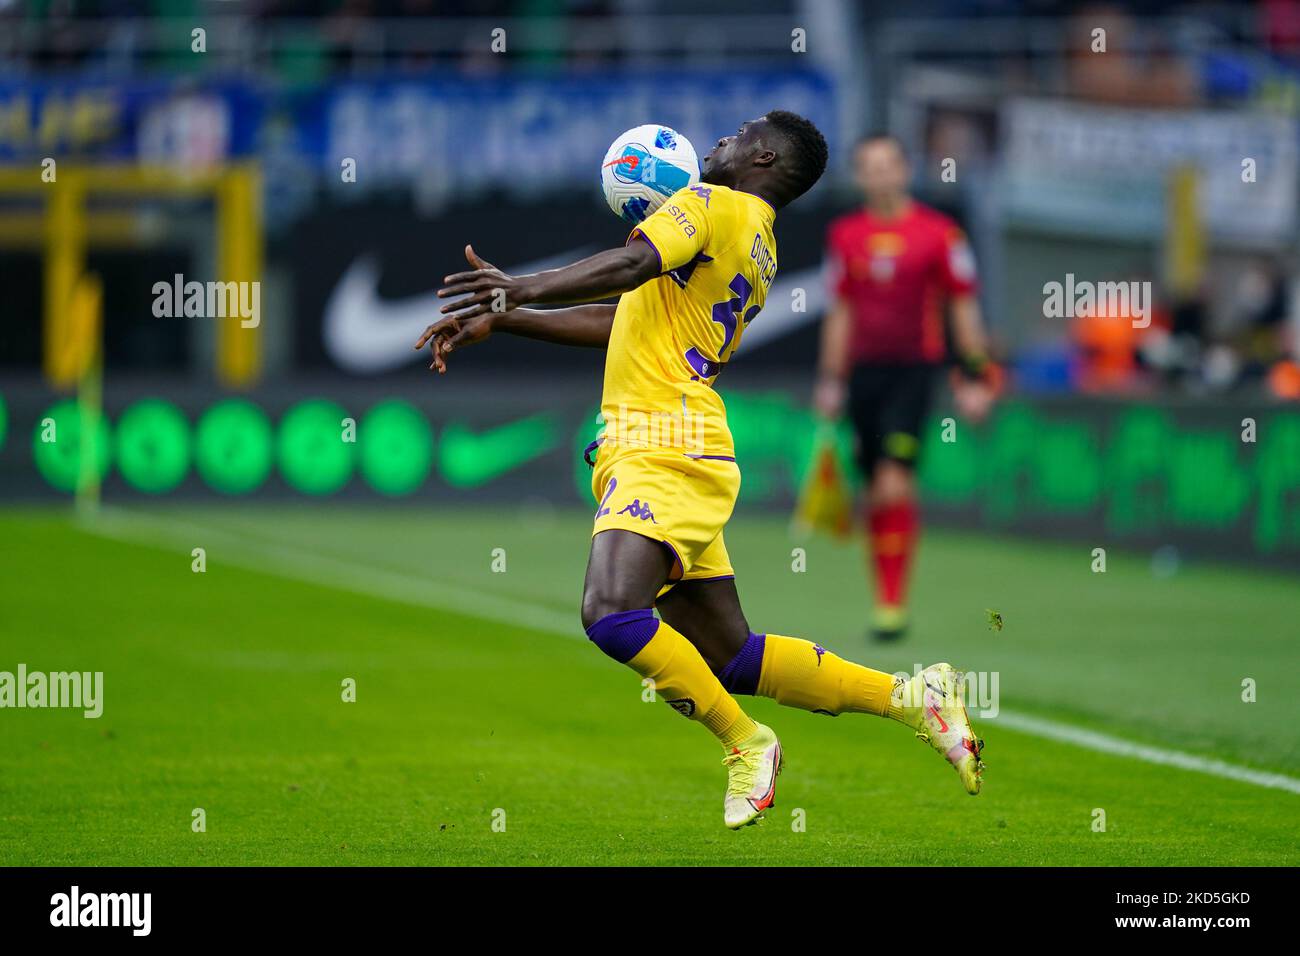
477 693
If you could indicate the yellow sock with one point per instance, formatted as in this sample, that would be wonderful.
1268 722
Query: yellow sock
802 674
684 680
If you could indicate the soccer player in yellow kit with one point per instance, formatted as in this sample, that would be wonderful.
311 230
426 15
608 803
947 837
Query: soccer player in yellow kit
690 278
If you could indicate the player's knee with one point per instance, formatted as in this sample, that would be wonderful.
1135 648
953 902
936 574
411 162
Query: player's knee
740 674
600 602
620 634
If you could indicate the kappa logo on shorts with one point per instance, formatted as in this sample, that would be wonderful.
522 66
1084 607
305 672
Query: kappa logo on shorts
638 510
683 705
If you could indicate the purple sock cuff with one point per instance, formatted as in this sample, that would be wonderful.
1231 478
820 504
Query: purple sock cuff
741 675
622 635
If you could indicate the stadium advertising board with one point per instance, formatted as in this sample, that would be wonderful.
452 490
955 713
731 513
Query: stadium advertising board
364 277
407 132
1145 476
165 121
528 128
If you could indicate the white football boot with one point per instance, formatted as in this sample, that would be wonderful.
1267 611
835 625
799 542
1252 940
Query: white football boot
751 778
932 703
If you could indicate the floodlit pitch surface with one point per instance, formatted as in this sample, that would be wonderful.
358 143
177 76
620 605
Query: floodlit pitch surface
478 699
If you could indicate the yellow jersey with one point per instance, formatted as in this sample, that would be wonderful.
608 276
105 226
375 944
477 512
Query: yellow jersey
674 334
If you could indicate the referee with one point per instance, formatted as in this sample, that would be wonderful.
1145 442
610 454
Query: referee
896 267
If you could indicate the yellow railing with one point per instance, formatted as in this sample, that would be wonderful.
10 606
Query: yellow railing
70 229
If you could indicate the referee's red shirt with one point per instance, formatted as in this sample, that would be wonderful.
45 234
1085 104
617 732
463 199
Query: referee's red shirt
896 276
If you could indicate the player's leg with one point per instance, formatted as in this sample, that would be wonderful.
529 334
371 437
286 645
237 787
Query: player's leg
790 670
624 573
708 613
801 674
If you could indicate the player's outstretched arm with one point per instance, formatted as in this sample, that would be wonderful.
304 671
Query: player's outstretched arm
490 301
581 325
606 274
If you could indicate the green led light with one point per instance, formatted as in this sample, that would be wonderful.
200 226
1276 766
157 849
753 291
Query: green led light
233 447
1276 524
313 456
470 458
396 447
153 446
56 445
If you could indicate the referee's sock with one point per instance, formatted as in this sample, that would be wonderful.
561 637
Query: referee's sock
893 529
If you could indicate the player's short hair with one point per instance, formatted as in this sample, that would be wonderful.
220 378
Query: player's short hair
809 150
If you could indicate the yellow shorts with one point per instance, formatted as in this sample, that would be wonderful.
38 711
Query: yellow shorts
670 497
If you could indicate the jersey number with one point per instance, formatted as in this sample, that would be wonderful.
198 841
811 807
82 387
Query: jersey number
728 313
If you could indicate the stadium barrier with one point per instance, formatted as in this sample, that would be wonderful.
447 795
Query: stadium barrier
1220 480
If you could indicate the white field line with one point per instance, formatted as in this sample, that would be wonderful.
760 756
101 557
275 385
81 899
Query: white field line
1104 743
311 567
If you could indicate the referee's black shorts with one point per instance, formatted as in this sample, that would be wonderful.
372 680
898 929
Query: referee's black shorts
887 406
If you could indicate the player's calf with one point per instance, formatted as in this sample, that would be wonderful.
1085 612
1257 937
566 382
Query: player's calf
675 669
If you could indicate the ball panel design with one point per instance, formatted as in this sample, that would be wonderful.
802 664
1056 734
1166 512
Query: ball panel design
643 167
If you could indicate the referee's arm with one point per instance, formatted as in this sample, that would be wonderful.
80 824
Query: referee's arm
833 364
974 385
969 336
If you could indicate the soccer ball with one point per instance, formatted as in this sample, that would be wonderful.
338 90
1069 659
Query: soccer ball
644 167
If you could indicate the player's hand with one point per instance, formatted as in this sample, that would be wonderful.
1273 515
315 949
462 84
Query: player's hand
451 333
486 290
828 397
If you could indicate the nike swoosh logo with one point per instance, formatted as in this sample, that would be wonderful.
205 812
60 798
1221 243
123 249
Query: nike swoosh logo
468 459
630 161
943 726
366 334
